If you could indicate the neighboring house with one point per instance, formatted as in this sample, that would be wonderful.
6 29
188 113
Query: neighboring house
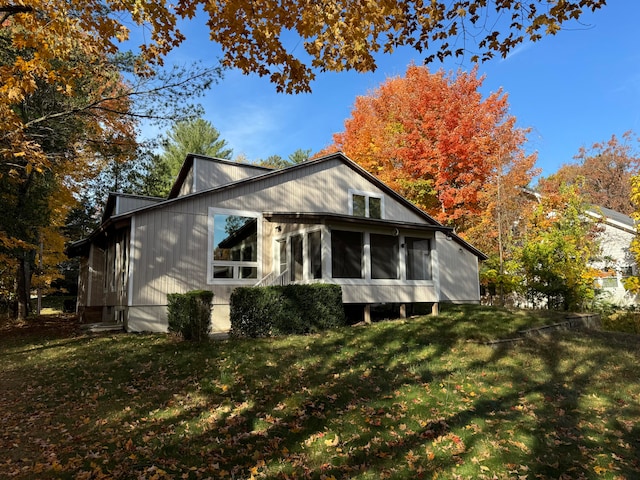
616 262
229 224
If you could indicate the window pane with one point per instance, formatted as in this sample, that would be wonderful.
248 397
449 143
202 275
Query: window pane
315 254
220 271
375 207
248 272
282 247
235 238
418 258
346 254
384 256
295 270
359 205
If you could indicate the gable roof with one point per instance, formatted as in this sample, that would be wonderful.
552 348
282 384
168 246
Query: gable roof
187 166
269 173
613 218
111 207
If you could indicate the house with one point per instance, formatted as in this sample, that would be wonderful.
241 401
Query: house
616 261
227 224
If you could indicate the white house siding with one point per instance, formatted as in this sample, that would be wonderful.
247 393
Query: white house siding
126 203
390 293
211 173
187 186
321 187
615 246
458 272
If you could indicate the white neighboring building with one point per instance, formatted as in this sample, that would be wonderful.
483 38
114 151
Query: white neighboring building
617 260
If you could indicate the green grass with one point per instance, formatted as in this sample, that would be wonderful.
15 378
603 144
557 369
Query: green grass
414 398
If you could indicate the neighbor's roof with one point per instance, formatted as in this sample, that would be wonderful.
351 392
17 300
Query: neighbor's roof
614 218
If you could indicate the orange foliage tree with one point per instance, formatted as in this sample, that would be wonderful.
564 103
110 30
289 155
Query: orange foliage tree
435 140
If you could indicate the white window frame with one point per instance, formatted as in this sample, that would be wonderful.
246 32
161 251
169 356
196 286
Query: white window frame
367 196
306 257
213 211
366 261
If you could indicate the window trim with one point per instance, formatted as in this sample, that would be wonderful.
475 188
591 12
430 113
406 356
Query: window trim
306 257
367 196
212 212
366 260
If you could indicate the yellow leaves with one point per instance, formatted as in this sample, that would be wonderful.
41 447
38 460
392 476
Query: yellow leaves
332 442
600 470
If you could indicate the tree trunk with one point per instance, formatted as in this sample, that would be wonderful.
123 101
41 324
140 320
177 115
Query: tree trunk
23 285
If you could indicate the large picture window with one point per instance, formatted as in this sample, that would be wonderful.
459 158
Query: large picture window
346 254
418 258
234 244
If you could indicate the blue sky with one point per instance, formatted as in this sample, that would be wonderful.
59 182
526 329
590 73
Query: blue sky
572 89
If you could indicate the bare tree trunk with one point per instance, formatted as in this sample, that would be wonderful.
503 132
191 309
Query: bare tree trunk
23 285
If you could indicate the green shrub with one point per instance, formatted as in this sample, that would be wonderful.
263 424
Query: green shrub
624 321
189 314
292 309
253 310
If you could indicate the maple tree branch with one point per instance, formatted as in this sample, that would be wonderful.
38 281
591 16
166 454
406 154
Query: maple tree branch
13 10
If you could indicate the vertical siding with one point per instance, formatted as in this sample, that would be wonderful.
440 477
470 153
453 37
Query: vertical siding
187 186
211 173
126 203
95 288
322 187
458 272
395 293
83 283
171 255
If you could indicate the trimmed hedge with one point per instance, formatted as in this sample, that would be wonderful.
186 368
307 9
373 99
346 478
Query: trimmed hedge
189 314
286 310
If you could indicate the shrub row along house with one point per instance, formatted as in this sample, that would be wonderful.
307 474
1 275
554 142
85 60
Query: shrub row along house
227 224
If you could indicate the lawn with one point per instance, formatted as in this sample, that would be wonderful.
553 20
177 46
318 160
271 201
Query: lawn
416 398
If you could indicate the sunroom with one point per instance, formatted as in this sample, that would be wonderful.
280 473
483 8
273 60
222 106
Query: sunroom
376 261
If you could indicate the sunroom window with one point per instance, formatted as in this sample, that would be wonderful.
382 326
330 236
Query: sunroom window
346 254
384 256
418 258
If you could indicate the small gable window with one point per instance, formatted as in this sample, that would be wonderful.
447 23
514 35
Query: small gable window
365 204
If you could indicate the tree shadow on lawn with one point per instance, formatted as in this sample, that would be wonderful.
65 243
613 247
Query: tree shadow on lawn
357 403
403 400
354 402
